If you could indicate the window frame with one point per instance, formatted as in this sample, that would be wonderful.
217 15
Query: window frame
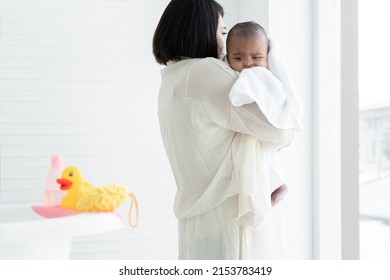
335 151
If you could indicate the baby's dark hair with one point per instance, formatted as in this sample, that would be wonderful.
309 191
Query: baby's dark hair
246 29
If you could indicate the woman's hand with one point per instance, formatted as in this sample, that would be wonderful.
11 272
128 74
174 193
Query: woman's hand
278 194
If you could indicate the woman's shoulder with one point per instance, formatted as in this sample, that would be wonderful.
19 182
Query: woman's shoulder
215 66
208 65
214 69
209 78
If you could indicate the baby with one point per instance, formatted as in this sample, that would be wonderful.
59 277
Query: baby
247 46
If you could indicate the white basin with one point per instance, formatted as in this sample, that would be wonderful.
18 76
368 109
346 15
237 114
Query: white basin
24 234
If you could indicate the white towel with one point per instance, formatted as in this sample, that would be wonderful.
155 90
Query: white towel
272 89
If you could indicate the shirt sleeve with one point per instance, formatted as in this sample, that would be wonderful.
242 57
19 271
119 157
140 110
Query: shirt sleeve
209 83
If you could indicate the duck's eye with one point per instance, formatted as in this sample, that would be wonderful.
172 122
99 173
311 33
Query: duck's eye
71 173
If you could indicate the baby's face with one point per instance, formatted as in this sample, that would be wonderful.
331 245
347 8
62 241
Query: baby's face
247 52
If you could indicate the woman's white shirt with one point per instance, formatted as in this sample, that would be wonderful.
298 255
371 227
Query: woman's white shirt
208 140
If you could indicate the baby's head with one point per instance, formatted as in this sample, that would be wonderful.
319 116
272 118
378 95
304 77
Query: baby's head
247 46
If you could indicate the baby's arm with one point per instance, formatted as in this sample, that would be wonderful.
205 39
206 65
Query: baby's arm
278 194
276 180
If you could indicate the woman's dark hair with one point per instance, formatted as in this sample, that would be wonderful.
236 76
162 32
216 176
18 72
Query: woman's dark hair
187 28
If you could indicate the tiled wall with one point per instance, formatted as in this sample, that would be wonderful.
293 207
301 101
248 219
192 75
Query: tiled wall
78 78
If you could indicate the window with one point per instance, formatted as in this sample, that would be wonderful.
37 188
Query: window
374 129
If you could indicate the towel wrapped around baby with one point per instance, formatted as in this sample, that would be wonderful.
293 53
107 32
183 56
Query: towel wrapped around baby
273 91
275 94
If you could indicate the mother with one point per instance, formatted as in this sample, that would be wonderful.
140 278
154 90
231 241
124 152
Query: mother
199 127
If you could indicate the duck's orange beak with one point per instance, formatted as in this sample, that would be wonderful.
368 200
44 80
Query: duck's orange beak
64 184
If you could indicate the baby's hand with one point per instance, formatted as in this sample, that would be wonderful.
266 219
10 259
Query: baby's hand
278 194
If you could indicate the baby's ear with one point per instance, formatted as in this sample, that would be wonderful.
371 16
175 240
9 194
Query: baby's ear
270 41
269 45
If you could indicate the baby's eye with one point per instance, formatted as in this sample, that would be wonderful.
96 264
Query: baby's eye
224 33
238 58
258 57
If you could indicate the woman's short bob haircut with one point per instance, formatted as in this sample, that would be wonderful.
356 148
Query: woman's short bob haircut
187 28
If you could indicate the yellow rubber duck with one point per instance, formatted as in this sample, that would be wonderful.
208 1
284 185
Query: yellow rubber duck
72 181
82 196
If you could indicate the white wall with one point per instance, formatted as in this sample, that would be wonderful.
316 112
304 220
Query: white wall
326 132
256 10
290 22
79 78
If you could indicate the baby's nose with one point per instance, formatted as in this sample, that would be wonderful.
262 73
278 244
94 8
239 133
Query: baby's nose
248 63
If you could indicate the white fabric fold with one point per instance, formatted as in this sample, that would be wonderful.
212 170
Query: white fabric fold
252 158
